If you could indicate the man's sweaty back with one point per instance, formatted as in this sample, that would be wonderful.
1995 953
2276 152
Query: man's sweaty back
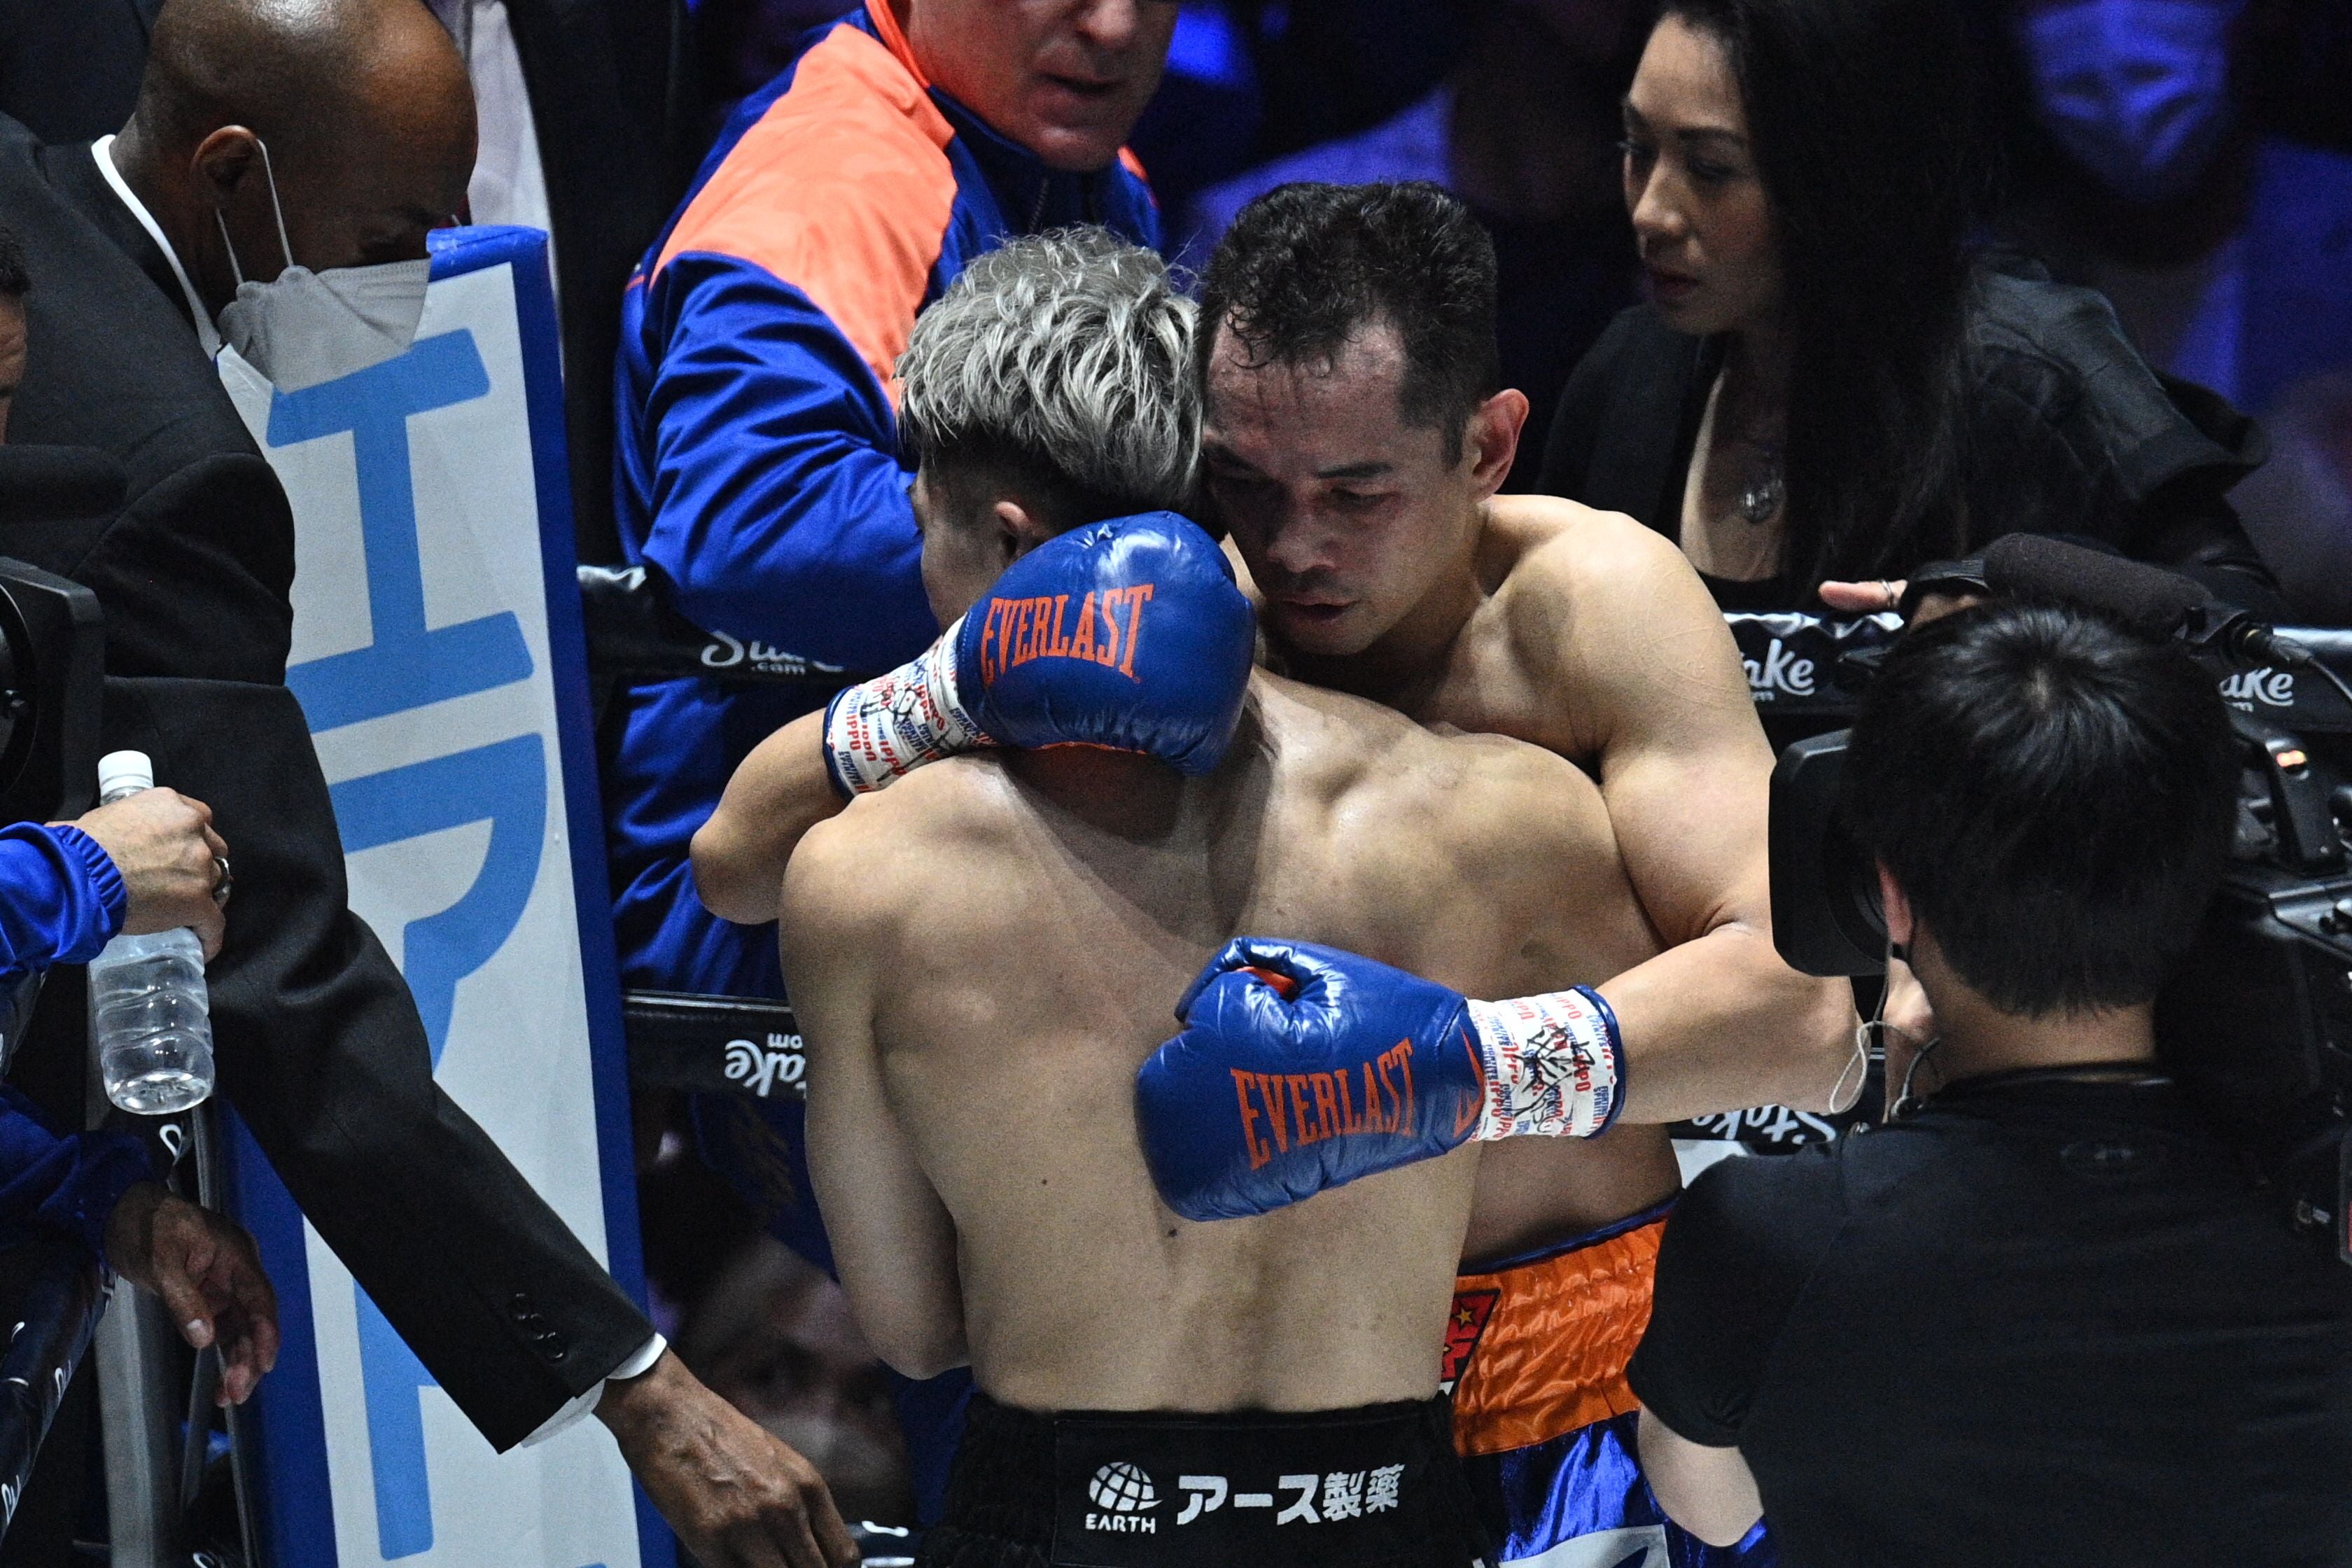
982 955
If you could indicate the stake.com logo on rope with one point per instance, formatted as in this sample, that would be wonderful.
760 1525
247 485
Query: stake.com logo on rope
1019 630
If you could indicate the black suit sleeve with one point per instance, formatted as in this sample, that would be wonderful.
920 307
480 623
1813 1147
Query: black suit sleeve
1739 1249
320 1047
322 1052
194 574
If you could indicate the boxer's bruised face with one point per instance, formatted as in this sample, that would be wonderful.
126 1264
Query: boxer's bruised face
1701 219
1350 518
1065 78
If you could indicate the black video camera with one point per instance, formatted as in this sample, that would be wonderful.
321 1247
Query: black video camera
2258 1017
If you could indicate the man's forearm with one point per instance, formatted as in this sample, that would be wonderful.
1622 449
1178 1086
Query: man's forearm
1720 1023
1708 1491
775 797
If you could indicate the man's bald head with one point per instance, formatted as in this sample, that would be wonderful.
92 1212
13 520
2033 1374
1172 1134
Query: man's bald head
363 108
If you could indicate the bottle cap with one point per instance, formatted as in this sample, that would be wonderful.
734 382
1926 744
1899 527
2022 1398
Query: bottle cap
124 770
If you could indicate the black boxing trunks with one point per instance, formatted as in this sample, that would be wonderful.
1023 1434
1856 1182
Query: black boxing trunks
1378 1487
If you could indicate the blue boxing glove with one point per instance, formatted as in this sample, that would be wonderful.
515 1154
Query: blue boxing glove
1302 1067
1129 634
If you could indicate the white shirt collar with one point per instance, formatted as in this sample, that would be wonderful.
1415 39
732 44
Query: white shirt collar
102 151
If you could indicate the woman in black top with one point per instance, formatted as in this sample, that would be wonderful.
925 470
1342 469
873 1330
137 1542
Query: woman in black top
1826 391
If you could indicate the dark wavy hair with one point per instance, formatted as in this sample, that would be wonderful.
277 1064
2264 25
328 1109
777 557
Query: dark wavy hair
1305 265
1861 115
2054 795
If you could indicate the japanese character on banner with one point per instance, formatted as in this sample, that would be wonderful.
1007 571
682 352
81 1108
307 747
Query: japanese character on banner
1343 1495
1206 1494
1302 1508
1382 1492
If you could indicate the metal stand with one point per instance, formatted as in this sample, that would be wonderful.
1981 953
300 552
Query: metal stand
138 1403
154 1464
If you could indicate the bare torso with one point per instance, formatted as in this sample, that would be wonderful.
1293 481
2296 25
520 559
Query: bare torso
1025 968
1514 669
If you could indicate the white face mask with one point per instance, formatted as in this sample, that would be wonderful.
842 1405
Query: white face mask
305 327
2137 90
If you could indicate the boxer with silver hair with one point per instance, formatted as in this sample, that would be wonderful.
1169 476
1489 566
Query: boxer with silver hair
1051 386
983 952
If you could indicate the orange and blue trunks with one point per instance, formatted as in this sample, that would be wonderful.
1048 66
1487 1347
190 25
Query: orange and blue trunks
1535 1356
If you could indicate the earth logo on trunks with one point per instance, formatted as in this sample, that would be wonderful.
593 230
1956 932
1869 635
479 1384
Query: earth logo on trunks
1464 1326
1125 1494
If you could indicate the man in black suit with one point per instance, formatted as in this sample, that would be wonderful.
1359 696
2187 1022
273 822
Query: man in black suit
610 104
367 121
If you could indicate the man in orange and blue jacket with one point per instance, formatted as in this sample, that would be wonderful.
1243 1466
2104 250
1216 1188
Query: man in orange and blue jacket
759 476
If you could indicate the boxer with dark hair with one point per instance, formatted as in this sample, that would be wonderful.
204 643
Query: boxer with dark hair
1356 431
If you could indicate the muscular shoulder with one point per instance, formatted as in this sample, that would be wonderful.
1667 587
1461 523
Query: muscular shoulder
1488 807
1547 550
1604 615
871 873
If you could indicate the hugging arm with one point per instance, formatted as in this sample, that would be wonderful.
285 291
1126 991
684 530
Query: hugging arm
1717 1021
892 1237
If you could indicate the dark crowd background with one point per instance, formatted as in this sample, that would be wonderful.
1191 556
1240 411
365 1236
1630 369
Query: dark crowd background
1511 104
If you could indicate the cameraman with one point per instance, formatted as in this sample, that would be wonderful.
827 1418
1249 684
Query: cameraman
2044 1315
150 863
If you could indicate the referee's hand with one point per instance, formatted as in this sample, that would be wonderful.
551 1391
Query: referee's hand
209 1274
735 1496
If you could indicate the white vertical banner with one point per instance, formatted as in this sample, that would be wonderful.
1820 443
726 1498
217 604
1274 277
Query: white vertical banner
430 527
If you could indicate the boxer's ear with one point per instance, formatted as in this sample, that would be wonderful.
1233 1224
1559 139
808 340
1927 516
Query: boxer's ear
1019 531
1490 440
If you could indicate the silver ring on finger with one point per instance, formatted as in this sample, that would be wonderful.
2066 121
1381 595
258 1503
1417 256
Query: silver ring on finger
223 883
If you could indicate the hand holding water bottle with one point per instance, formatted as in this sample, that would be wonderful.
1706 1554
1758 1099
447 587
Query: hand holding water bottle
163 844
151 1015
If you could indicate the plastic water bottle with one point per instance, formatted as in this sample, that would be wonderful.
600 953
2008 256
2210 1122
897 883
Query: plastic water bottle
149 1009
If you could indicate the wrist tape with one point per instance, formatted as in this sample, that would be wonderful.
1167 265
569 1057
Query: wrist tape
889 725
1555 1066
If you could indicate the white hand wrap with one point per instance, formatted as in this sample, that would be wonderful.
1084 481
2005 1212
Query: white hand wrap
1555 1068
882 728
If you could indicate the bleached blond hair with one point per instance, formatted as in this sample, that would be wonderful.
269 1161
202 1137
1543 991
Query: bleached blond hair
1064 358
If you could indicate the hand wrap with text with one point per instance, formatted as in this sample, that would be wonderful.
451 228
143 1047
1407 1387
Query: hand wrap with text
1129 634
1302 1067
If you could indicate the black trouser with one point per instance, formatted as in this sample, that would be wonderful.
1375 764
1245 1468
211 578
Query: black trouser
1373 1488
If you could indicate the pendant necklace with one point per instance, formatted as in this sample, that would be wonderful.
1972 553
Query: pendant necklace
1761 498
